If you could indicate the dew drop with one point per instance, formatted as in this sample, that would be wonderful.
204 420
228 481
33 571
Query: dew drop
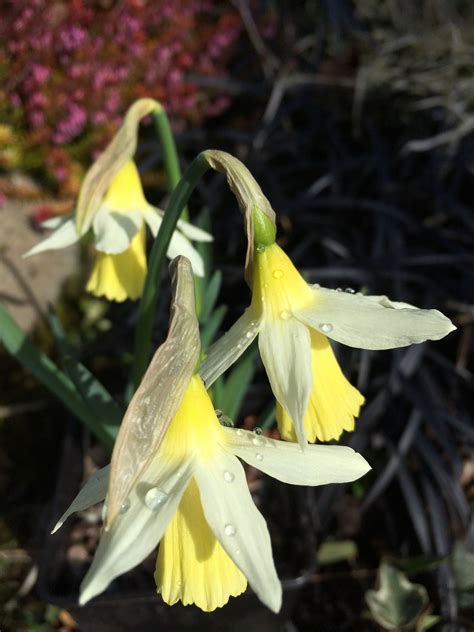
125 506
258 431
259 456
155 498
350 290
339 289
326 327
284 314
230 530
260 248
239 432
250 333
228 476
258 441
237 551
277 274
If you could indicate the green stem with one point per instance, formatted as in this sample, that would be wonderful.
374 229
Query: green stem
170 155
146 311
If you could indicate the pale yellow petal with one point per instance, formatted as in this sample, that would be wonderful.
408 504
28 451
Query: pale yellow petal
334 402
192 566
122 276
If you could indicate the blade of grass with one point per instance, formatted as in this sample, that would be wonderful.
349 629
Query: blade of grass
46 372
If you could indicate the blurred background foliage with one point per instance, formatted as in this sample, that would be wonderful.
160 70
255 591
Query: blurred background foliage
356 118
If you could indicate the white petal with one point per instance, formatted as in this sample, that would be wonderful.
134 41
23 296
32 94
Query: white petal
180 245
136 532
114 231
193 232
285 350
64 236
238 525
317 465
153 217
93 492
373 322
57 221
229 348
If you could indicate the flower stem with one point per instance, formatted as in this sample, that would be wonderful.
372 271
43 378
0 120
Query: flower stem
146 310
170 155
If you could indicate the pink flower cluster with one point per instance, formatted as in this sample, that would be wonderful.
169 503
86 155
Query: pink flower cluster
71 68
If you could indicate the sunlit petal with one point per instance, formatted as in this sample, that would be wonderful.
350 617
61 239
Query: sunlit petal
317 465
136 532
238 525
62 237
94 491
359 321
228 349
285 350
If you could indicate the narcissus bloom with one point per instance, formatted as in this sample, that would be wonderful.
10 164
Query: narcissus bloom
181 483
118 225
294 321
195 499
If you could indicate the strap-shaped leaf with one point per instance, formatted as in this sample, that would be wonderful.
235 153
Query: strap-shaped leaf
117 153
160 393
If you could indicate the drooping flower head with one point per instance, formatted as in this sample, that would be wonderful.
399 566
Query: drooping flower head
176 478
294 322
112 203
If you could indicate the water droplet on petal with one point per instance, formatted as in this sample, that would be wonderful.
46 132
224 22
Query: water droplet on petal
339 289
250 333
284 314
258 441
350 290
277 274
326 328
230 530
258 431
260 248
237 552
239 432
228 476
315 286
259 456
125 506
218 412
155 498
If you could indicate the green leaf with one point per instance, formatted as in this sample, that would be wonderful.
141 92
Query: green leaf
103 408
397 603
419 563
463 567
267 418
209 296
333 551
46 372
234 388
209 330
427 621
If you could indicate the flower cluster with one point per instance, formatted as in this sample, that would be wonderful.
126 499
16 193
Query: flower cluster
71 68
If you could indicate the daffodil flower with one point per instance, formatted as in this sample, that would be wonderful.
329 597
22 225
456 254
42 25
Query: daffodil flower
118 225
181 484
293 321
